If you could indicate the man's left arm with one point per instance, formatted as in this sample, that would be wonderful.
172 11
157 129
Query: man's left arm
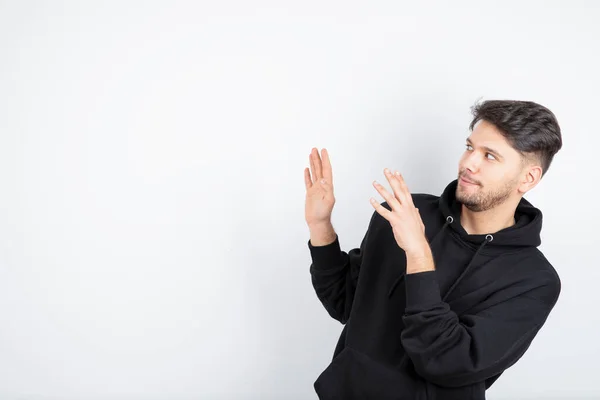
448 349
452 350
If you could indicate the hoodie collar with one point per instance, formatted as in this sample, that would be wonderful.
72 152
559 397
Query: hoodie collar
524 233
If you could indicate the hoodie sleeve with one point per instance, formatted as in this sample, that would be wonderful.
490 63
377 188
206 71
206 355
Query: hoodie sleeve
451 350
334 274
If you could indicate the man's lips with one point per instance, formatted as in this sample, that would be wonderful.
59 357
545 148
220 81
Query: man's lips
467 181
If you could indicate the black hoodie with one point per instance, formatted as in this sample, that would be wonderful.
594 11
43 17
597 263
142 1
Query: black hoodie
444 334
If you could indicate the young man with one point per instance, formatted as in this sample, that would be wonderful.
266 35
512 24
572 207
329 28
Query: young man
445 292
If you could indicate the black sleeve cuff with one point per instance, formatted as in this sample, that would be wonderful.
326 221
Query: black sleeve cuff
422 291
327 256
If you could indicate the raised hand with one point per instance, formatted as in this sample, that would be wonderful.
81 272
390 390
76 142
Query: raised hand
405 219
319 188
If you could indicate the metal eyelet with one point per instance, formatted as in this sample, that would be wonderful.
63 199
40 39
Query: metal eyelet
490 237
449 219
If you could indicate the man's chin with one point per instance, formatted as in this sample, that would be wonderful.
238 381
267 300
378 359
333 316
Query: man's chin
466 200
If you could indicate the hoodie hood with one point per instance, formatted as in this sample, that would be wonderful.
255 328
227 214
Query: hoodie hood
524 233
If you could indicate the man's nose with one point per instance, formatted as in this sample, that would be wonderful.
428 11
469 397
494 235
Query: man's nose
472 162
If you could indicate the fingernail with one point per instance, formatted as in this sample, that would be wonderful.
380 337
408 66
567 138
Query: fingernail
387 171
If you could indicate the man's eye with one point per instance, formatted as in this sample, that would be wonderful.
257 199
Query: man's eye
486 154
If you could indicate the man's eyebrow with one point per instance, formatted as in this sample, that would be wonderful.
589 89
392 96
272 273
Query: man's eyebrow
487 149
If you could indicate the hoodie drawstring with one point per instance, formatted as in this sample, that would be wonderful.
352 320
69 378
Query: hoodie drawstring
488 238
449 220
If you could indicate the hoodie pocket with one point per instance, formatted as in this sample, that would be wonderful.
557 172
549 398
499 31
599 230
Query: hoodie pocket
355 375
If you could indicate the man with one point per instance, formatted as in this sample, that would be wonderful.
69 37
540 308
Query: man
445 292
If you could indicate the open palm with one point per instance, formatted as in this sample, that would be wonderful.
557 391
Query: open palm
319 188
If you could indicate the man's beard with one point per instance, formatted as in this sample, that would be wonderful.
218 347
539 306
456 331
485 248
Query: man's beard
481 199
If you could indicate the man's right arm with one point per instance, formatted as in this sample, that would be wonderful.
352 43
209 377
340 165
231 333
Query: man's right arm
334 272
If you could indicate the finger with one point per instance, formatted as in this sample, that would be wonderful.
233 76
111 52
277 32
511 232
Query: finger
327 172
391 200
312 168
395 184
318 166
381 210
406 196
307 181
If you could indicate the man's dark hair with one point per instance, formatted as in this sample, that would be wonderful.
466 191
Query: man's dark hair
530 128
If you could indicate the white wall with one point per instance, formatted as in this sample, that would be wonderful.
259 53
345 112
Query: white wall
152 234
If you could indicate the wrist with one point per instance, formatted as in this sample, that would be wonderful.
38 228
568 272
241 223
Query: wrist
419 260
420 252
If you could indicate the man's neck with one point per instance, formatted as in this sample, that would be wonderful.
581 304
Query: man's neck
489 221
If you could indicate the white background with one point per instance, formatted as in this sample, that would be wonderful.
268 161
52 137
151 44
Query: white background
152 234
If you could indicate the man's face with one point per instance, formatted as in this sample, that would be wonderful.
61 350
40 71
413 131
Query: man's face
492 164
